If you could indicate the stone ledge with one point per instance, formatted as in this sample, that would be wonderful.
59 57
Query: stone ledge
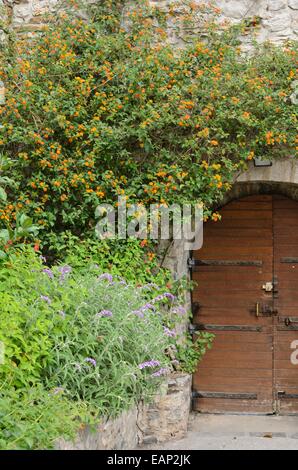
163 419
113 434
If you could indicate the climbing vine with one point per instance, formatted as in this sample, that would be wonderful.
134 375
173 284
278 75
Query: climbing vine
107 106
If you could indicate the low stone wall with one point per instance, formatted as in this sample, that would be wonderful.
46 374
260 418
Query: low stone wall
117 434
165 418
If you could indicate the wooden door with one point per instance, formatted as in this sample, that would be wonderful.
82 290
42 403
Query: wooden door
285 229
246 295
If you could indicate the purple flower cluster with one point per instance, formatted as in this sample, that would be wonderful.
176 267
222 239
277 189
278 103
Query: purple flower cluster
151 363
104 313
61 313
166 295
46 299
90 360
64 271
179 310
150 286
160 372
138 313
142 310
48 272
106 276
168 332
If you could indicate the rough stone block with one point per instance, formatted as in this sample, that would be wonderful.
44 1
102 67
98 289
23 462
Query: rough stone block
293 4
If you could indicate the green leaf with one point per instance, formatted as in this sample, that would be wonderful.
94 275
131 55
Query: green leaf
3 195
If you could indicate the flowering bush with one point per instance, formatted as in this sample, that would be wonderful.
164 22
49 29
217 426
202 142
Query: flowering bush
97 109
83 341
129 258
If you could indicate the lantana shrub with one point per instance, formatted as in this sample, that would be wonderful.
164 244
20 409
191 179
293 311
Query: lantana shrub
105 106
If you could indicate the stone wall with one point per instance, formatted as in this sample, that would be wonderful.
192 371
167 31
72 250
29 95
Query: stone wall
278 18
165 418
27 15
119 434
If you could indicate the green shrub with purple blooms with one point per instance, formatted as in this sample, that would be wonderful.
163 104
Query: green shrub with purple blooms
89 338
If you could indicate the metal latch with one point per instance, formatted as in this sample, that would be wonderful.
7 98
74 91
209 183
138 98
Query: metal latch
191 262
268 287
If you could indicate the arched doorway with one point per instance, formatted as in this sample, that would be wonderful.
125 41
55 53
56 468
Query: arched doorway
247 295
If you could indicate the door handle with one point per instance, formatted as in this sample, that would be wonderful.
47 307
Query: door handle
257 309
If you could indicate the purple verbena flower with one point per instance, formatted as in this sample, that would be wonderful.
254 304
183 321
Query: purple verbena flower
138 313
160 372
104 313
142 310
61 313
106 276
90 360
158 298
179 310
150 286
151 363
48 272
168 332
148 306
170 296
46 298
166 295
64 270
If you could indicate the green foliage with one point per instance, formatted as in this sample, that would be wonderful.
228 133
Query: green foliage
25 321
35 419
79 344
95 110
126 258
191 352
23 230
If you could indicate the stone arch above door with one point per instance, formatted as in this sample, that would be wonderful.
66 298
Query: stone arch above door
281 178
